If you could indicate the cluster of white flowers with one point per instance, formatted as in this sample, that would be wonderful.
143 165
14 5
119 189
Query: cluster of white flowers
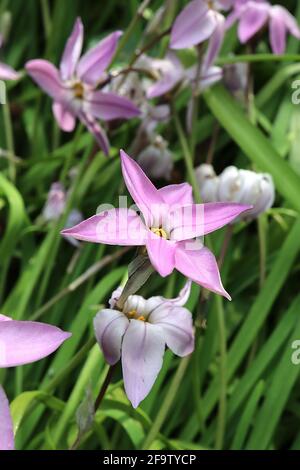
235 185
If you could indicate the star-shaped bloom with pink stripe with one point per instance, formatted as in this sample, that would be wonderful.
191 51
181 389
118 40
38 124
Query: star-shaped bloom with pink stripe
167 223
74 88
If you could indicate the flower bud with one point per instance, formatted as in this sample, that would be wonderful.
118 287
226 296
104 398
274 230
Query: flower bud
156 160
247 187
235 79
208 182
55 203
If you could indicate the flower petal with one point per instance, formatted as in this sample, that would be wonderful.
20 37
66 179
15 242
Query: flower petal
6 425
65 119
289 20
94 62
177 325
97 131
72 51
110 326
201 266
161 253
142 357
196 220
8 73
47 77
112 227
177 194
252 19
22 342
108 106
171 72
142 191
278 31
215 41
192 26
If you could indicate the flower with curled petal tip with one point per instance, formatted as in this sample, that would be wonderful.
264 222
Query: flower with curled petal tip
168 225
253 15
73 88
139 334
7 72
23 342
201 20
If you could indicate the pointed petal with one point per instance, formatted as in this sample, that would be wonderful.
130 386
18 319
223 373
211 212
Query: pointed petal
72 51
22 342
142 357
110 326
47 77
94 62
177 194
8 73
112 227
215 41
278 31
177 326
201 266
6 425
192 26
289 20
65 119
97 131
161 253
200 219
252 20
142 191
108 106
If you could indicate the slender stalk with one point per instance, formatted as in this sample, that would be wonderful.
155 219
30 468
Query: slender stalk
104 387
258 58
71 155
130 30
221 420
261 223
46 17
167 403
225 245
196 96
187 156
78 282
8 129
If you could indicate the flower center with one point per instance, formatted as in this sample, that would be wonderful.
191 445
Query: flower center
210 4
78 90
160 232
134 315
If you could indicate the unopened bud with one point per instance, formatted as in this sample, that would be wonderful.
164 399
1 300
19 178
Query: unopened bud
156 160
247 187
55 203
208 182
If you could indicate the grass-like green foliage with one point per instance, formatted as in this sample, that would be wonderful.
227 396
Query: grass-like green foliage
239 389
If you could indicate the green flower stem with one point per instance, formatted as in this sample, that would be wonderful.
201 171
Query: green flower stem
258 58
187 157
91 271
8 129
130 30
221 419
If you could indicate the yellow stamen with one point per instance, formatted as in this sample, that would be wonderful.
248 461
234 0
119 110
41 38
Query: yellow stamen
142 318
132 313
210 4
160 232
78 90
